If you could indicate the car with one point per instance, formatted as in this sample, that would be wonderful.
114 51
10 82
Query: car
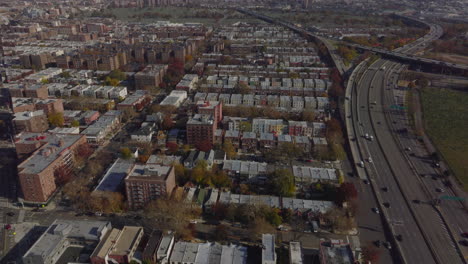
439 190
362 106
376 210
378 122
89 213
366 181
387 245
137 217
434 177
377 243
385 189
361 164
79 214
98 214
10 214
408 148
464 234
416 201
423 175
399 237
386 204
437 165
464 242
193 221
7 227
369 160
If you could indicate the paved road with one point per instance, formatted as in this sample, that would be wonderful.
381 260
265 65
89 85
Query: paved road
422 166
389 169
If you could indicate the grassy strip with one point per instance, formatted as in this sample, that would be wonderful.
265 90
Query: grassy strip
446 122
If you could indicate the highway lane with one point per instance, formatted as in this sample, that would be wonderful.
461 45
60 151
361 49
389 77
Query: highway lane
371 226
398 215
437 237
418 157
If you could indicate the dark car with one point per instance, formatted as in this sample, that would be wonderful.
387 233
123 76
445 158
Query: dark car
79 214
386 204
377 243
385 189
10 214
416 201
399 237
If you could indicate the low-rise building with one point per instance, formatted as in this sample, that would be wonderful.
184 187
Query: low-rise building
305 174
175 98
31 121
249 141
295 253
335 251
63 234
246 170
118 246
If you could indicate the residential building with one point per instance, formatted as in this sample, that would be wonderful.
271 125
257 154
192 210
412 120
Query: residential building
201 129
151 248
31 121
234 137
299 128
144 134
175 98
195 156
63 234
335 251
37 173
249 141
305 174
137 101
148 182
233 123
150 77
104 126
275 126
302 142
213 108
165 248
118 246
246 170
112 180
267 140
268 249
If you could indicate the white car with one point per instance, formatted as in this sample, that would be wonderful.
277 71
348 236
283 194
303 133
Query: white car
369 159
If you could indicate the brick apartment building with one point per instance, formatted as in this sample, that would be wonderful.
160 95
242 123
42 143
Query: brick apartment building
201 129
37 173
118 246
146 183
150 77
213 108
31 121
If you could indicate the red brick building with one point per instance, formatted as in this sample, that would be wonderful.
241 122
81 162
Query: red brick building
145 183
37 173
201 129
213 108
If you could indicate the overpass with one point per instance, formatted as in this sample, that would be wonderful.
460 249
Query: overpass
397 54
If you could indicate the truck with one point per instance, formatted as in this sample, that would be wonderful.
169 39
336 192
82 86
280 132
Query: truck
383 68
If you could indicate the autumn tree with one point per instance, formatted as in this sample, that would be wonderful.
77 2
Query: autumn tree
56 119
308 116
346 192
117 74
204 145
167 214
220 233
371 254
111 82
63 175
334 132
126 153
229 149
167 122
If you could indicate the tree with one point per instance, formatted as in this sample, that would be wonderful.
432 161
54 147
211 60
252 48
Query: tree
221 180
271 216
346 192
334 132
167 214
371 254
167 122
181 173
204 146
118 75
65 74
75 123
244 88
111 81
172 147
126 153
62 175
260 226
308 116
220 233
229 149
56 119
283 183
245 126
290 151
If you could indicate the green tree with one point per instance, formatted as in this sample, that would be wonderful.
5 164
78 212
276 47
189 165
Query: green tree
111 81
56 119
65 74
245 126
229 149
126 153
283 183
75 123
118 75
